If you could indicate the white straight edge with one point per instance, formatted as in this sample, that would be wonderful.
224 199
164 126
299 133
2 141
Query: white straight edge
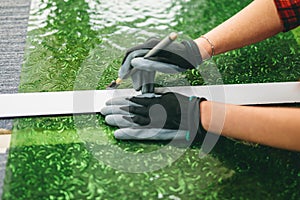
91 101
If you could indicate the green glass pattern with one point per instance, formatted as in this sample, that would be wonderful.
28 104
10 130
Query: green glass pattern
78 45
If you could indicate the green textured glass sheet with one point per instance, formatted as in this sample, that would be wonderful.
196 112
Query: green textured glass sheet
77 45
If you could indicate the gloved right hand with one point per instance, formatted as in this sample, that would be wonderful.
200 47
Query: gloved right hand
176 57
157 117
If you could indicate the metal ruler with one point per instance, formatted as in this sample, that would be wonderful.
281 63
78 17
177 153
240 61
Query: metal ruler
91 101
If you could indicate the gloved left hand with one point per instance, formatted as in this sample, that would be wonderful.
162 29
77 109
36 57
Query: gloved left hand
160 117
176 57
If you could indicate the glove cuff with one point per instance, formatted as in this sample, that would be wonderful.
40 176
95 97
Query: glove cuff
196 130
193 52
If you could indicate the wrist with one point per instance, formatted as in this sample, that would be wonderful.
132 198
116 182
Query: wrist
206 47
205 114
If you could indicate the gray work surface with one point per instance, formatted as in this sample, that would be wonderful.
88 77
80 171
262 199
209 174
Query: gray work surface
13 26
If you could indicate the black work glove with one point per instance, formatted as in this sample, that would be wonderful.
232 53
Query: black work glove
176 57
168 111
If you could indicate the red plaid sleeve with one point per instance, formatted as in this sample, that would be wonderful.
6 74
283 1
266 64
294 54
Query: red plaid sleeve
289 13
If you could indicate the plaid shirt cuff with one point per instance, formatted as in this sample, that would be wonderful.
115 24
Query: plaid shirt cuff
289 13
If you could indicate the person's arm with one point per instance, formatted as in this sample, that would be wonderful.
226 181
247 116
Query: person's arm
256 22
273 126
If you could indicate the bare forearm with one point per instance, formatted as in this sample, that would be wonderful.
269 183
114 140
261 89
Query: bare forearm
258 21
272 126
